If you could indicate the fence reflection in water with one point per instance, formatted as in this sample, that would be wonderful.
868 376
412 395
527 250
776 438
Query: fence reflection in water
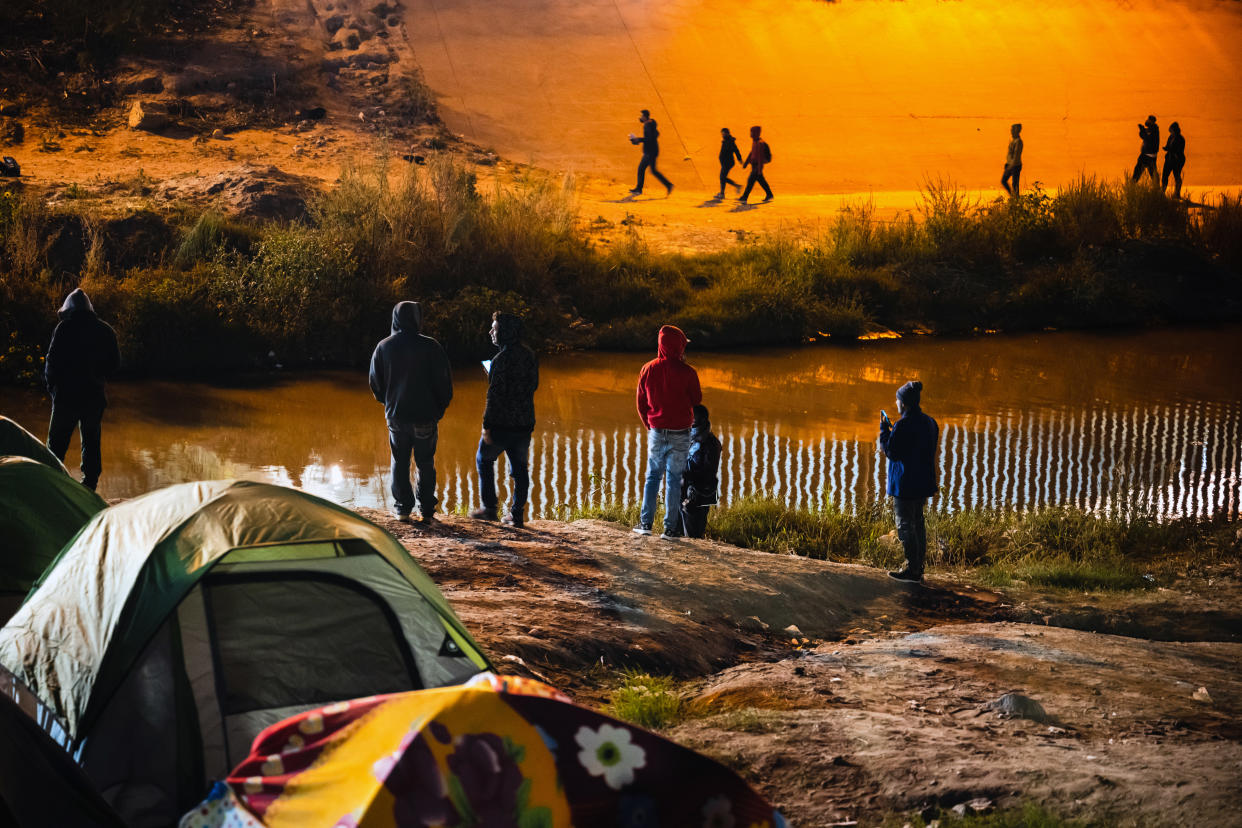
1164 460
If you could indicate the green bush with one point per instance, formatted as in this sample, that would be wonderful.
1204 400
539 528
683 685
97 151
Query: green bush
647 701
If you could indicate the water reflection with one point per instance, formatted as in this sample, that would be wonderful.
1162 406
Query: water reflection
1104 422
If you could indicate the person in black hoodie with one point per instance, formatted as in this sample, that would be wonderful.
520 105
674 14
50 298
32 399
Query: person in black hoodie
410 375
699 482
910 445
1149 132
508 418
728 154
650 139
82 356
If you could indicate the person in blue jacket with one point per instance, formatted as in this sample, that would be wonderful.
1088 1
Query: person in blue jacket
910 446
700 480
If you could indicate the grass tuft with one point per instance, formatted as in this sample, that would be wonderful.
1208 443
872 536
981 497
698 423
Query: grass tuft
647 701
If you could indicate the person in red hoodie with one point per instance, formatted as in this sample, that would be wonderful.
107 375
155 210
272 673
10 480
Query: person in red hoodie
668 390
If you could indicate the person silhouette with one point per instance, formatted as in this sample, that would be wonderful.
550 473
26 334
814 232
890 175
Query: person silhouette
1150 133
760 156
1174 159
650 139
1013 160
728 153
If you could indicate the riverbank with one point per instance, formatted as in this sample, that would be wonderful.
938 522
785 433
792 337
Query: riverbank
844 695
195 293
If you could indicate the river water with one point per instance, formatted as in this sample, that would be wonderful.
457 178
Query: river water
1105 421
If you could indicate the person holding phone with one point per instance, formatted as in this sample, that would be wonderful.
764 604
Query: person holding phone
910 446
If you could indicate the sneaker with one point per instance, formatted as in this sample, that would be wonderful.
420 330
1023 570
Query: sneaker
718 196
669 187
741 200
766 200
517 521
636 191
427 519
642 530
907 575
484 514
403 517
668 536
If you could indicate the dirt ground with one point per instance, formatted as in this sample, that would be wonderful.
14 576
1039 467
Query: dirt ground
556 108
876 702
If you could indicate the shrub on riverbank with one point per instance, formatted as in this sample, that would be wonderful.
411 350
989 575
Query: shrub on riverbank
319 292
1060 547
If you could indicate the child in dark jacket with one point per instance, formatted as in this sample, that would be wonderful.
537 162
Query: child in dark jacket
699 481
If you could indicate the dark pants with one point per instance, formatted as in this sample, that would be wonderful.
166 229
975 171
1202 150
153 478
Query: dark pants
88 419
911 530
756 177
1175 170
515 445
649 161
1145 164
418 439
724 177
694 520
1011 174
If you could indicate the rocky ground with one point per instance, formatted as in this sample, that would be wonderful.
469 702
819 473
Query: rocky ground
844 695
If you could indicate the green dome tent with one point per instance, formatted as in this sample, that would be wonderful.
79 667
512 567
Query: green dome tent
41 509
39 783
179 624
16 441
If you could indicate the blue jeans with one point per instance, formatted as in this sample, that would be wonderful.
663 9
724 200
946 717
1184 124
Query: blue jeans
418 439
666 458
516 446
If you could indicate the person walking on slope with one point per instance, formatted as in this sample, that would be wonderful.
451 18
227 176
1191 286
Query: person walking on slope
668 390
1149 132
410 375
1174 159
760 156
82 356
508 419
910 445
699 482
1013 160
728 153
650 140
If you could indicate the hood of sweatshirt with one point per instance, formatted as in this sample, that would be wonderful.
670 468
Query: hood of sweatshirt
672 342
407 317
508 329
702 420
76 301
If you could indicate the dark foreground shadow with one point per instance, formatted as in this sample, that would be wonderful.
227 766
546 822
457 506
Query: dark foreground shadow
711 202
744 207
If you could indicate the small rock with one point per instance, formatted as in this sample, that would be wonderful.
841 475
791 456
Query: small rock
960 810
1202 695
793 630
980 805
217 133
149 116
1017 706
334 23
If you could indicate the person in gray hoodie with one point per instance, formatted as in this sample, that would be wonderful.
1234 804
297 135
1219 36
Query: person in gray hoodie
508 418
410 375
82 356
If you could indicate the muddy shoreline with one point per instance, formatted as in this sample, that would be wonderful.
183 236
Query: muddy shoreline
844 695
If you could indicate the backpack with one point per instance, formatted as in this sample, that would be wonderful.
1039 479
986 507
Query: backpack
9 167
767 153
